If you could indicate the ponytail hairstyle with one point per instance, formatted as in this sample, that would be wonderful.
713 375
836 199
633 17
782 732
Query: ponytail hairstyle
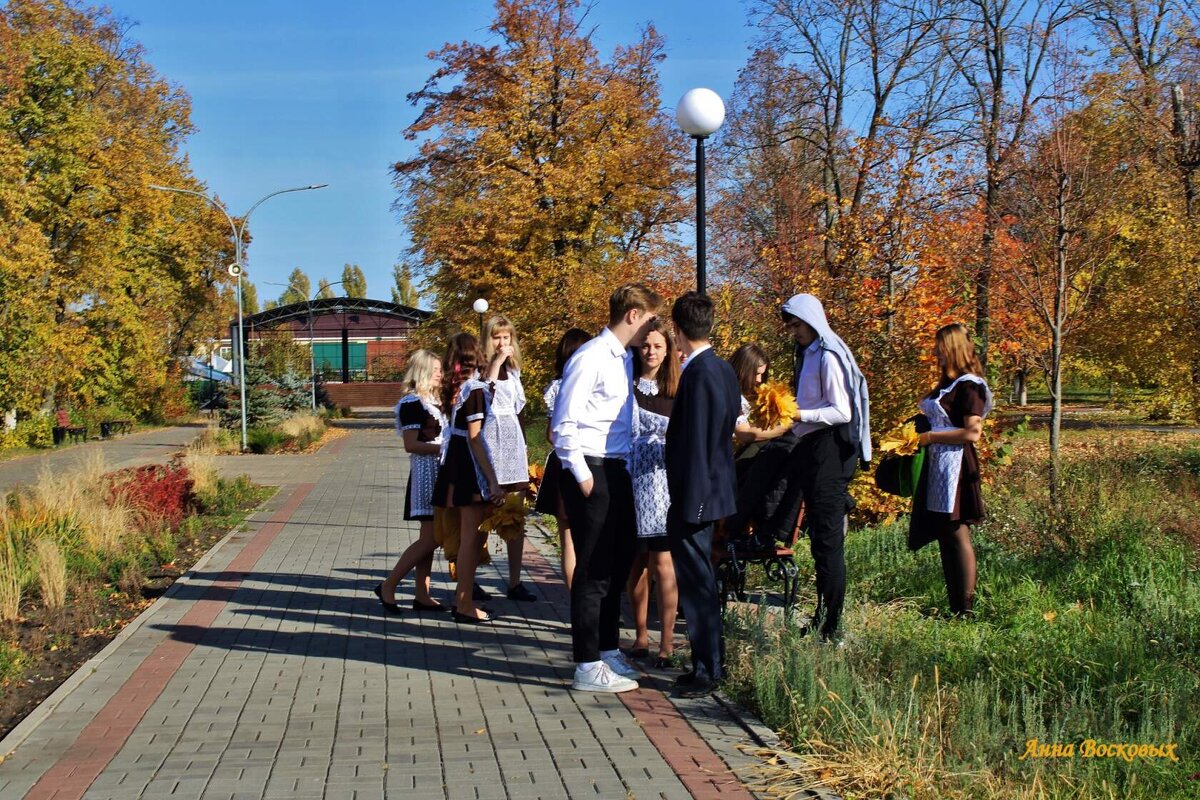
959 357
461 361
418 377
571 341
499 324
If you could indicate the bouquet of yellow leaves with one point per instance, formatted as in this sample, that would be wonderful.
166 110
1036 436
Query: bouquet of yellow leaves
508 520
773 405
899 471
902 441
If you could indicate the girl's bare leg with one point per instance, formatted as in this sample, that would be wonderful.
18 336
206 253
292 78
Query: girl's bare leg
668 600
418 555
638 587
469 546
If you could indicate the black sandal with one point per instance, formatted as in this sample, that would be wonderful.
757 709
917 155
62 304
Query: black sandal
639 652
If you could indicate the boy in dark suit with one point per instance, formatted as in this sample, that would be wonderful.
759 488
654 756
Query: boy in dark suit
702 482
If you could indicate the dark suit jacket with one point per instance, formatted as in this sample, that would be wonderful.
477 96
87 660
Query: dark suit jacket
699 451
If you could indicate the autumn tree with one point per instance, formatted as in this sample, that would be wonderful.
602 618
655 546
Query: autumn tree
1000 50
546 175
131 277
404 292
324 289
354 283
299 288
249 297
1061 197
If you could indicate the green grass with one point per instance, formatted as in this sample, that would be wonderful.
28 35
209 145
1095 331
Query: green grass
1088 627
535 439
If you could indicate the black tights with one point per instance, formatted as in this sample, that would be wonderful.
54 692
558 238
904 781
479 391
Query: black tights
958 565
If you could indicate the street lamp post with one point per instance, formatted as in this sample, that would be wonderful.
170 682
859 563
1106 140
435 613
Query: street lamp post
480 306
700 113
236 269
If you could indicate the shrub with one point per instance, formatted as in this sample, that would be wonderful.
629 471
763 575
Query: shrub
264 440
155 492
10 579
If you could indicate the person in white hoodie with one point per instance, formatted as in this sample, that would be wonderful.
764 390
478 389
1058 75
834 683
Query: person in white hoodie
833 426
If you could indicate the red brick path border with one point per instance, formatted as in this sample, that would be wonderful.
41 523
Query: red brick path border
108 731
703 773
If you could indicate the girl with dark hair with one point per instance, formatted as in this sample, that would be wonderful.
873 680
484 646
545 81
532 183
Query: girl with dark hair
658 380
948 499
549 500
753 368
466 480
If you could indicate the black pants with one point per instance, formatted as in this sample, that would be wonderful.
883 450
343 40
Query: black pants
823 464
691 550
604 532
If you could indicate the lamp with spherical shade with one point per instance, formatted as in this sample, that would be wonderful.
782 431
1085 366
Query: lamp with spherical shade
700 113
480 307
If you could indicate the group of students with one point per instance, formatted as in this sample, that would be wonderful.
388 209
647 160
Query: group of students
644 419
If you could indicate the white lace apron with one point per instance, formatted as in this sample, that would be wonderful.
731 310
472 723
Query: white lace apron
502 433
943 462
648 466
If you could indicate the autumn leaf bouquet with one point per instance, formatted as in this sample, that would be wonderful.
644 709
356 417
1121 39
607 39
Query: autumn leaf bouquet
774 404
508 520
899 470
902 441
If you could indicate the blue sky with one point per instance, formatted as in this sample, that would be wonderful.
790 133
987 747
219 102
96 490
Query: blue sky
294 93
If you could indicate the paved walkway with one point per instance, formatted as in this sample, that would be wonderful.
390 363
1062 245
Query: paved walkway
133 450
269 671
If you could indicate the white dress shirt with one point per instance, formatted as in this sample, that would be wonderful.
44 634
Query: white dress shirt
593 415
821 392
692 356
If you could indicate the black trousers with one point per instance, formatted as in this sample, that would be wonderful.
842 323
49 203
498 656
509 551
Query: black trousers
823 464
604 532
691 550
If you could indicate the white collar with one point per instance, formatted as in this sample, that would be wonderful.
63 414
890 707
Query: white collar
614 344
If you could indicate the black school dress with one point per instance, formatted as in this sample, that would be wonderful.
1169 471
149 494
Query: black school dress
460 481
415 414
966 399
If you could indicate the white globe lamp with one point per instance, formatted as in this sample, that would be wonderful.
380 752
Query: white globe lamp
700 113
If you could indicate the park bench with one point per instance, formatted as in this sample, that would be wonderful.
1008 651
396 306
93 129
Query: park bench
115 426
73 432
732 561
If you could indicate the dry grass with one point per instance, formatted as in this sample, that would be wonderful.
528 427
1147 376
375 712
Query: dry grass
202 469
51 572
82 495
10 580
303 426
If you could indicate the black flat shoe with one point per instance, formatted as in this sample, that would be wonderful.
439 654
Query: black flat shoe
519 592
428 608
391 608
478 593
639 652
663 662
466 619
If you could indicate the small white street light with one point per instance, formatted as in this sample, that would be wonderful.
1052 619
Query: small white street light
700 113
480 306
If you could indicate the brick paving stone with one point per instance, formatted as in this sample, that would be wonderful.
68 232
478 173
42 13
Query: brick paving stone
293 684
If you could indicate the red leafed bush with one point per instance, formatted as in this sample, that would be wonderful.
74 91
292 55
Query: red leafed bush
157 493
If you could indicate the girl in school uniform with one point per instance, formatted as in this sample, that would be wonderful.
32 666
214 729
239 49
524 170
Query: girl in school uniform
654 392
466 480
503 435
421 424
549 501
949 498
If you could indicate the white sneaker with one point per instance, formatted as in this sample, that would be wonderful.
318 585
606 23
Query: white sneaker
620 665
601 679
